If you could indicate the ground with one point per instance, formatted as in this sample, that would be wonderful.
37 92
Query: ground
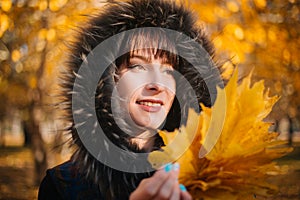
289 184
16 175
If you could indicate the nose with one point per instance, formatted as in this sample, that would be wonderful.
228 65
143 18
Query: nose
158 80
155 79
154 86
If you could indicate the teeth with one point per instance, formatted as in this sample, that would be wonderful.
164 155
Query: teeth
149 103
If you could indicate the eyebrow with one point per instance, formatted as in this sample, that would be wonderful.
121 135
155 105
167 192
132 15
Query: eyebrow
145 58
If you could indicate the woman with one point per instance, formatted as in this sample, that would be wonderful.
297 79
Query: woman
149 64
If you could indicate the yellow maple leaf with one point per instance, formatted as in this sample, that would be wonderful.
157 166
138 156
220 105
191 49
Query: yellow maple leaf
227 151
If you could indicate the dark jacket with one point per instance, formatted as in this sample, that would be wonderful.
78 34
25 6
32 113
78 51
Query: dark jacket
65 182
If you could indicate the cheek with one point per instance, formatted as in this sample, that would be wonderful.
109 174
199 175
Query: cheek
170 87
126 87
170 84
129 83
170 98
172 90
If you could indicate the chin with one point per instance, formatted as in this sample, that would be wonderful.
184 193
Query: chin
153 124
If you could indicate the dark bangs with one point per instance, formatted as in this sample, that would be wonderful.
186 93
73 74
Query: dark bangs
148 42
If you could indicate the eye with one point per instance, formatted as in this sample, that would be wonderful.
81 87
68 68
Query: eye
137 67
168 70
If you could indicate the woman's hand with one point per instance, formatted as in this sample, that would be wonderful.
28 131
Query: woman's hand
162 185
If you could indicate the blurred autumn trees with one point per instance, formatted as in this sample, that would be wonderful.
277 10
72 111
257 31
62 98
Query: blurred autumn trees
32 41
262 35
259 34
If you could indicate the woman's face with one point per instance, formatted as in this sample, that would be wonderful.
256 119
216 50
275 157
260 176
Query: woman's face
147 89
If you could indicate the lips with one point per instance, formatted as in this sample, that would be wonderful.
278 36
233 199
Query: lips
150 105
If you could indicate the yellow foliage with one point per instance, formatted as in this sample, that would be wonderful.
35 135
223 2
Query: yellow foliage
51 34
43 5
221 12
260 36
239 33
4 23
237 55
19 67
232 6
233 41
235 30
260 3
6 5
16 55
55 5
42 33
207 15
228 69
248 48
272 34
33 82
231 151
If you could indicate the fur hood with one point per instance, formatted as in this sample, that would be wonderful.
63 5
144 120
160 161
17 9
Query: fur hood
112 19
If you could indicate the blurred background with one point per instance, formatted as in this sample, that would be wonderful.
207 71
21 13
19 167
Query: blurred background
261 36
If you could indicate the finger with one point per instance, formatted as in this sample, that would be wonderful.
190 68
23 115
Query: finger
184 194
176 168
149 187
160 177
166 189
170 188
175 193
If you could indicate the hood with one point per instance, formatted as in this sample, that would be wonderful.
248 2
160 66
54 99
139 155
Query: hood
112 19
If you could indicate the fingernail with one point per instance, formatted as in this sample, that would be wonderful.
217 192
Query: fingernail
168 167
176 167
182 188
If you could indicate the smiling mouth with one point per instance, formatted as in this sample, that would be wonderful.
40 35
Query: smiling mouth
150 105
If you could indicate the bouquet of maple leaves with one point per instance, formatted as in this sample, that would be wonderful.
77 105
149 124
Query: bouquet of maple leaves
227 151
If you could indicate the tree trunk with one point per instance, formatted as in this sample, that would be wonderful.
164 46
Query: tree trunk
1 135
27 135
37 143
37 146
